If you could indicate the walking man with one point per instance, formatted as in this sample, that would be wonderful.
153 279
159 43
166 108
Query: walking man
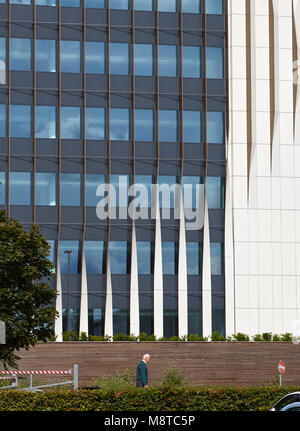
142 372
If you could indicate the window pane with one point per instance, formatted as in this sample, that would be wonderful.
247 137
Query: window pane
70 3
94 123
167 60
145 180
214 63
20 52
45 2
215 127
214 7
94 257
143 125
97 4
70 56
119 4
96 321
191 6
94 57
168 258
70 189
118 257
92 182
190 191
144 257
45 55
73 257
143 4
51 255
143 59
120 183
20 188
121 321
215 191
119 124
167 5
191 62
20 121
119 58
70 122
168 126
45 189
193 258
167 194
2 188
20 1
216 257
192 126
2 59
2 121
45 122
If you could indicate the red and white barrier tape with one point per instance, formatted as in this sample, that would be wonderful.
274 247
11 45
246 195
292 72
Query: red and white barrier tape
36 372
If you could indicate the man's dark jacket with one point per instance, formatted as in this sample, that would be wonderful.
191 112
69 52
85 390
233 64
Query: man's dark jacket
142 373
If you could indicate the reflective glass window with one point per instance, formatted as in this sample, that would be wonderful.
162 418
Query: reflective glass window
2 1
214 7
96 321
19 188
143 59
143 4
45 2
119 124
72 258
193 258
191 61
2 54
118 257
20 1
120 184
94 123
20 121
167 5
45 55
121 319
192 126
167 59
96 4
94 57
2 188
93 251
167 190
20 54
45 122
217 258
70 189
144 257
70 122
215 128
70 3
191 6
70 56
45 188
145 180
168 126
191 194
51 255
215 191
119 4
214 63
2 121
119 59
92 182
143 125
168 257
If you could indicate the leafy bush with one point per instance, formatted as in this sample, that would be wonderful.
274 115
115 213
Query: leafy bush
217 337
116 383
70 336
286 337
267 336
172 377
152 399
240 337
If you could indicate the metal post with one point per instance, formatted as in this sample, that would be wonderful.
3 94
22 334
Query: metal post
68 252
30 381
280 379
75 377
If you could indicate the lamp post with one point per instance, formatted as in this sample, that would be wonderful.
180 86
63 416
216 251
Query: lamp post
68 253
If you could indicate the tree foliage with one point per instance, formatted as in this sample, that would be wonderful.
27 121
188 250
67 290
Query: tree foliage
25 296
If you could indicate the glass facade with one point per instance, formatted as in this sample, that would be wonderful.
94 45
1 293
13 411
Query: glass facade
126 108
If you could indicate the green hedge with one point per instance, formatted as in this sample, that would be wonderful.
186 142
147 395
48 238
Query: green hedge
152 399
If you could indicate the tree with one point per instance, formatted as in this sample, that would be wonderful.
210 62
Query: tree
25 297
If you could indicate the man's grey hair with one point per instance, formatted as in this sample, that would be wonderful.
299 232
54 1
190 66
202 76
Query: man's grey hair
146 355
